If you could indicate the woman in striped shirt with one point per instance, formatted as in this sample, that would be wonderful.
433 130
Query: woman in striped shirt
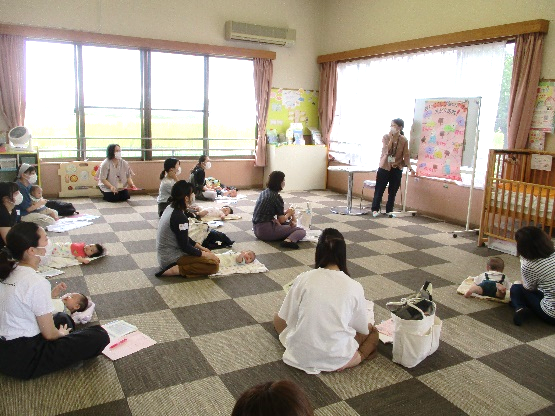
536 293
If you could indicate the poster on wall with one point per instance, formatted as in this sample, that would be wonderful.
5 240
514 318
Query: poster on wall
292 106
442 139
544 112
536 140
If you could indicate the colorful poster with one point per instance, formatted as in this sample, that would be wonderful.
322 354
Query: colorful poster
292 106
544 112
536 140
442 139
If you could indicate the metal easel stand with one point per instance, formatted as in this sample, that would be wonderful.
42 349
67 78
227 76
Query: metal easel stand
466 229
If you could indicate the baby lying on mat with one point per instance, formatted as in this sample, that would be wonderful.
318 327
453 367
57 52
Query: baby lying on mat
79 251
231 258
492 283
215 212
70 303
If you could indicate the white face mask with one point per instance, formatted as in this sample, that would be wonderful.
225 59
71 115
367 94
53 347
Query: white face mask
393 130
18 199
117 155
33 178
44 260
178 171
208 165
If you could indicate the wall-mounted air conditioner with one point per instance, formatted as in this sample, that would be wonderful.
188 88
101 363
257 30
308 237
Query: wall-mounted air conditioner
260 34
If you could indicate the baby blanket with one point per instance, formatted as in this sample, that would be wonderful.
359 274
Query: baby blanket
86 315
254 267
465 285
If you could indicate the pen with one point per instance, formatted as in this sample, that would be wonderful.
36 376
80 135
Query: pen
118 343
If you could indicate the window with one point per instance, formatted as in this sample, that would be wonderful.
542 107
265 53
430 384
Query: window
51 99
177 103
232 107
372 92
154 104
112 100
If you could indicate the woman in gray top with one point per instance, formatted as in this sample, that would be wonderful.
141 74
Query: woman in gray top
115 176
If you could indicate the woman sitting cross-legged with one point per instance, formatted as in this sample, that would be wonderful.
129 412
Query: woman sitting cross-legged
177 253
536 293
271 222
323 321
33 342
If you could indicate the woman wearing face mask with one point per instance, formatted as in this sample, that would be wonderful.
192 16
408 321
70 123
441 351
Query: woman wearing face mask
395 156
26 178
168 178
33 342
114 175
271 222
9 216
203 191
178 254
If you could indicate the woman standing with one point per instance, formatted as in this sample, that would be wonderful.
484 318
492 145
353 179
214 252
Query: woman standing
323 321
177 253
9 216
168 178
536 293
29 210
115 174
202 191
32 342
270 221
395 156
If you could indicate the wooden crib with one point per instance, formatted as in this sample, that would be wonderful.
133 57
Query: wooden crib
516 195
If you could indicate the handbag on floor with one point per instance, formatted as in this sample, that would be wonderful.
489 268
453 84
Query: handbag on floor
416 328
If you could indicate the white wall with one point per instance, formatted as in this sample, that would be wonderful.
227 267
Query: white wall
197 21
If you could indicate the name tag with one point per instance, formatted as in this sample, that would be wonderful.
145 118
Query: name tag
18 212
391 159
184 227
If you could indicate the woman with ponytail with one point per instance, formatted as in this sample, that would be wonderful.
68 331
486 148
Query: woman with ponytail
323 321
168 178
395 156
33 342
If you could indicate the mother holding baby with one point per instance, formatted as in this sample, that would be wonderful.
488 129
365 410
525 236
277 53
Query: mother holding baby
33 341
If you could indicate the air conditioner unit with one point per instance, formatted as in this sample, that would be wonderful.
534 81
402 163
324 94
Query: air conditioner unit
260 34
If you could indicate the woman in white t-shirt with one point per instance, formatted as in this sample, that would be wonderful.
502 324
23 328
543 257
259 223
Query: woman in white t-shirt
32 342
323 321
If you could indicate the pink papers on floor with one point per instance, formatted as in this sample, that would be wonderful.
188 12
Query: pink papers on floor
135 341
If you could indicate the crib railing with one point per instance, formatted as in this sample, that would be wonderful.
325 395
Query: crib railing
516 195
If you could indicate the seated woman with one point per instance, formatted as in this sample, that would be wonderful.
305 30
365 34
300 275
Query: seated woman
29 210
202 190
9 215
32 341
270 221
177 253
168 178
323 321
114 175
536 293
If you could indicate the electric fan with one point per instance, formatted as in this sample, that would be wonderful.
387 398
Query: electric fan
20 137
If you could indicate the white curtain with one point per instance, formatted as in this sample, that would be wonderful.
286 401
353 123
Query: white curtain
371 93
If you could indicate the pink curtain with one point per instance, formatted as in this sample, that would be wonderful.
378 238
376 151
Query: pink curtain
328 98
12 80
263 71
526 75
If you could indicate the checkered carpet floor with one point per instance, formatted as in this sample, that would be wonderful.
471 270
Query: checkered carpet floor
215 337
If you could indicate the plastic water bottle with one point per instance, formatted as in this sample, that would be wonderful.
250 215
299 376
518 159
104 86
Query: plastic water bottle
308 214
